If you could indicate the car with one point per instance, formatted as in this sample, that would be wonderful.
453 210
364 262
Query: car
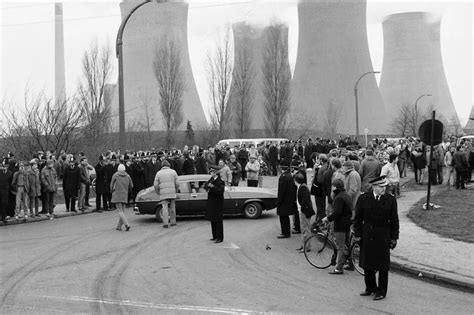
192 197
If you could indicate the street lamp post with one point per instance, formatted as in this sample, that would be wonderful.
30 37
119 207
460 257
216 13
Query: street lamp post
357 101
416 109
119 55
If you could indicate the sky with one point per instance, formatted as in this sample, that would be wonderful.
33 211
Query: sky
27 39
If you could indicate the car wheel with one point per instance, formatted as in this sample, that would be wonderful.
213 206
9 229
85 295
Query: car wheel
252 210
159 213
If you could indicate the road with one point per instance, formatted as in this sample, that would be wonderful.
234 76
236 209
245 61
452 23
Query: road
83 265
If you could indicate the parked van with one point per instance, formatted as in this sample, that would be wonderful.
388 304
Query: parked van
469 137
233 142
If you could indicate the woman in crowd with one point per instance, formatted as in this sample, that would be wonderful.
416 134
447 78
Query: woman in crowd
120 186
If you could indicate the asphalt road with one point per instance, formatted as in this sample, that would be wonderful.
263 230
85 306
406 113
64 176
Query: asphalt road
83 265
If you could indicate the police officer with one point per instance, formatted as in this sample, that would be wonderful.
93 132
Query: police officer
376 225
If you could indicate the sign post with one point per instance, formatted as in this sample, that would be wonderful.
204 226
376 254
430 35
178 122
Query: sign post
431 133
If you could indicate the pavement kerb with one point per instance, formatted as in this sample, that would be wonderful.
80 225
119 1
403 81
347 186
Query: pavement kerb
421 272
415 271
44 217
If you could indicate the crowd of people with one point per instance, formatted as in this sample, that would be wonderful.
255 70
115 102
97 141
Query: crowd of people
353 188
24 185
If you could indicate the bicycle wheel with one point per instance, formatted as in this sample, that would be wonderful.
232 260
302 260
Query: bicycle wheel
319 251
355 257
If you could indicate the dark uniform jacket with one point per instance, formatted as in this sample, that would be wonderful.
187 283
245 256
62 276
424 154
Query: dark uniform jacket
376 222
286 201
215 199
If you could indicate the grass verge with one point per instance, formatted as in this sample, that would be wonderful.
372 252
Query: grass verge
454 219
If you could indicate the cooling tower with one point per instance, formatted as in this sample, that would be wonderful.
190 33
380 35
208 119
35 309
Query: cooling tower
248 44
59 68
413 66
146 26
469 129
333 52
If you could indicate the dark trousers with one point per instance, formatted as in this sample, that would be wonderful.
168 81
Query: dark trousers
320 207
296 222
417 174
252 182
3 204
285 225
433 174
274 167
11 204
70 203
99 199
460 178
371 284
88 190
217 230
48 202
243 163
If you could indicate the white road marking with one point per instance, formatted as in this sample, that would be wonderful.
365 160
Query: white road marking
232 246
151 305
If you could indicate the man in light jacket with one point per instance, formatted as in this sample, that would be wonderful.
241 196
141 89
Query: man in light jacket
166 186
252 169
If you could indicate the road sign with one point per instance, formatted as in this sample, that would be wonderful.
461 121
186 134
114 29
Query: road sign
425 132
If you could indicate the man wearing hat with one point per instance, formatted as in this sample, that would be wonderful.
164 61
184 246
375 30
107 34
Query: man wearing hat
376 225
215 205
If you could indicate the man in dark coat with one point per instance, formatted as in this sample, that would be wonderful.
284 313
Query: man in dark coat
151 168
243 158
376 225
215 205
138 178
6 178
13 168
273 159
102 184
460 164
109 171
286 201
189 167
71 185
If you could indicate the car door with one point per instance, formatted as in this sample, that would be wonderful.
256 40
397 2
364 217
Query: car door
182 198
198 198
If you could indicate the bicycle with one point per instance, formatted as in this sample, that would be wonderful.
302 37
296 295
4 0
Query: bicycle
320 250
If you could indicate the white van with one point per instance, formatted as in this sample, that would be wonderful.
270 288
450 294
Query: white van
469 137
233 142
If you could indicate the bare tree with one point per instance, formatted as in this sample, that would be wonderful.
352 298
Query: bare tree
97 69
276 78
170 78
43 125
219 74
454 126
147 122
405 123
243 92
333 116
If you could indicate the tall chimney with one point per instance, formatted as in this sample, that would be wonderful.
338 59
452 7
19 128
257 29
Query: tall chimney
59 69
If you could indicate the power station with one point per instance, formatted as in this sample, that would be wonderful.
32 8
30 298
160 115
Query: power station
148 25
333 53
413 66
